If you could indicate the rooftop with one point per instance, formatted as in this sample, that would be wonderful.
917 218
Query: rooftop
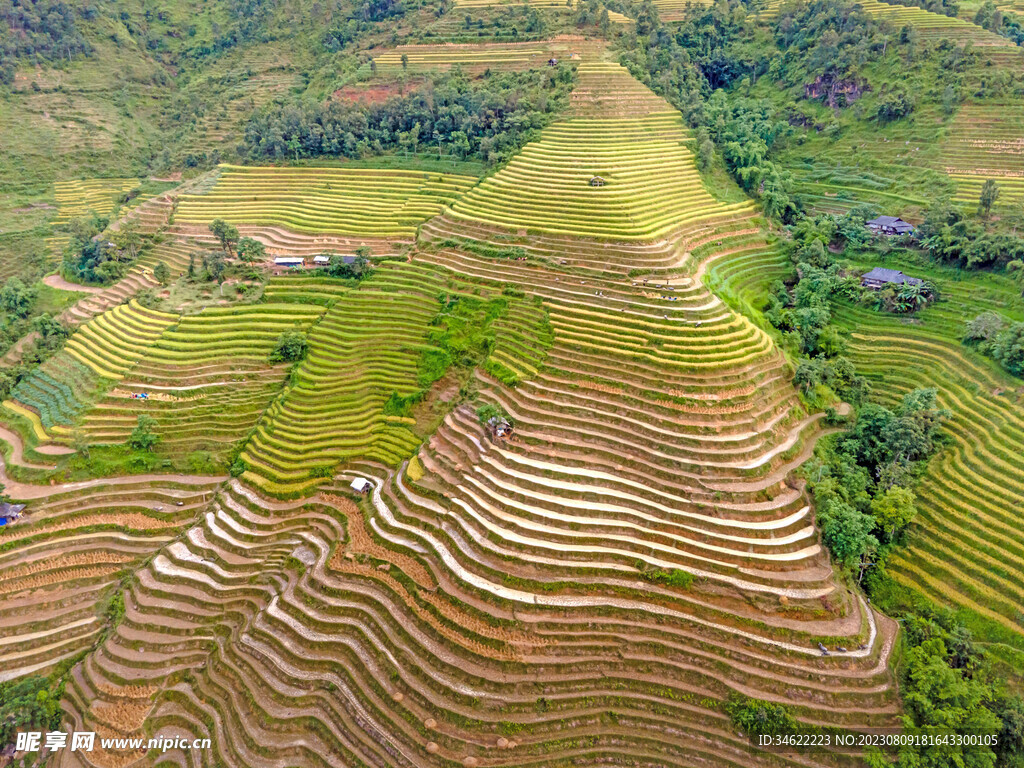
883 275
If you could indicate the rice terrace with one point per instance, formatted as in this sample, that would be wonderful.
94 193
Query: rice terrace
512 383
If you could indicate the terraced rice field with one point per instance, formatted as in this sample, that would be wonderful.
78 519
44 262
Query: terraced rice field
362 203
365 347
937 26
218 127
589 590
97 355
677 10
57 569
469 4
547 187
967 546
986 142
897 169
78 198
479 57
206 376
933 27
207 379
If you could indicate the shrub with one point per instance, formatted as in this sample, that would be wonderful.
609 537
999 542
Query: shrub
983 329
490 411
1009 349
142 437
755 717
290 347
894 106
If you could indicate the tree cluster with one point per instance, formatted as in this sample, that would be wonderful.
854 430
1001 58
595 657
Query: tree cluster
862 483
951 238
989 333
950 685
487 118
96 257
354 269
803 310
42 28
29 703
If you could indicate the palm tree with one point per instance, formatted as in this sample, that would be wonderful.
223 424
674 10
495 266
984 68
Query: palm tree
912 296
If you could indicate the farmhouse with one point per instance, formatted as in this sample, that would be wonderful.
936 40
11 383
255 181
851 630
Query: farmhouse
880 277
889 225
322 260
360 485
289 261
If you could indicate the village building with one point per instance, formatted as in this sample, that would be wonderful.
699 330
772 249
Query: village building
322 260
289 261
879 277
360 485
889 225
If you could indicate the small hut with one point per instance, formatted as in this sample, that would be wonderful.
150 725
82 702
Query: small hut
360 485
499 427
596 181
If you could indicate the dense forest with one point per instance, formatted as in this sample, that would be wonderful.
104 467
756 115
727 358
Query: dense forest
486 118
40 28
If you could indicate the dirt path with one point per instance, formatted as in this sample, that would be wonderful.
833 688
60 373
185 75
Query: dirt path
55 450
18 450
27 491
56 281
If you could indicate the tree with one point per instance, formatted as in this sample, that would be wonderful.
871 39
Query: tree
1015 269
950 99
937 696
405 61
705 154
162 273
893 511
807 376
910 297
1009 349
226 234
893 106
128 238
290 346
847 532
983 329
988 16
16 298
989 195
250 250
142 437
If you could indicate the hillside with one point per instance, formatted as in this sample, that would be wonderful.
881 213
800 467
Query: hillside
490 384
